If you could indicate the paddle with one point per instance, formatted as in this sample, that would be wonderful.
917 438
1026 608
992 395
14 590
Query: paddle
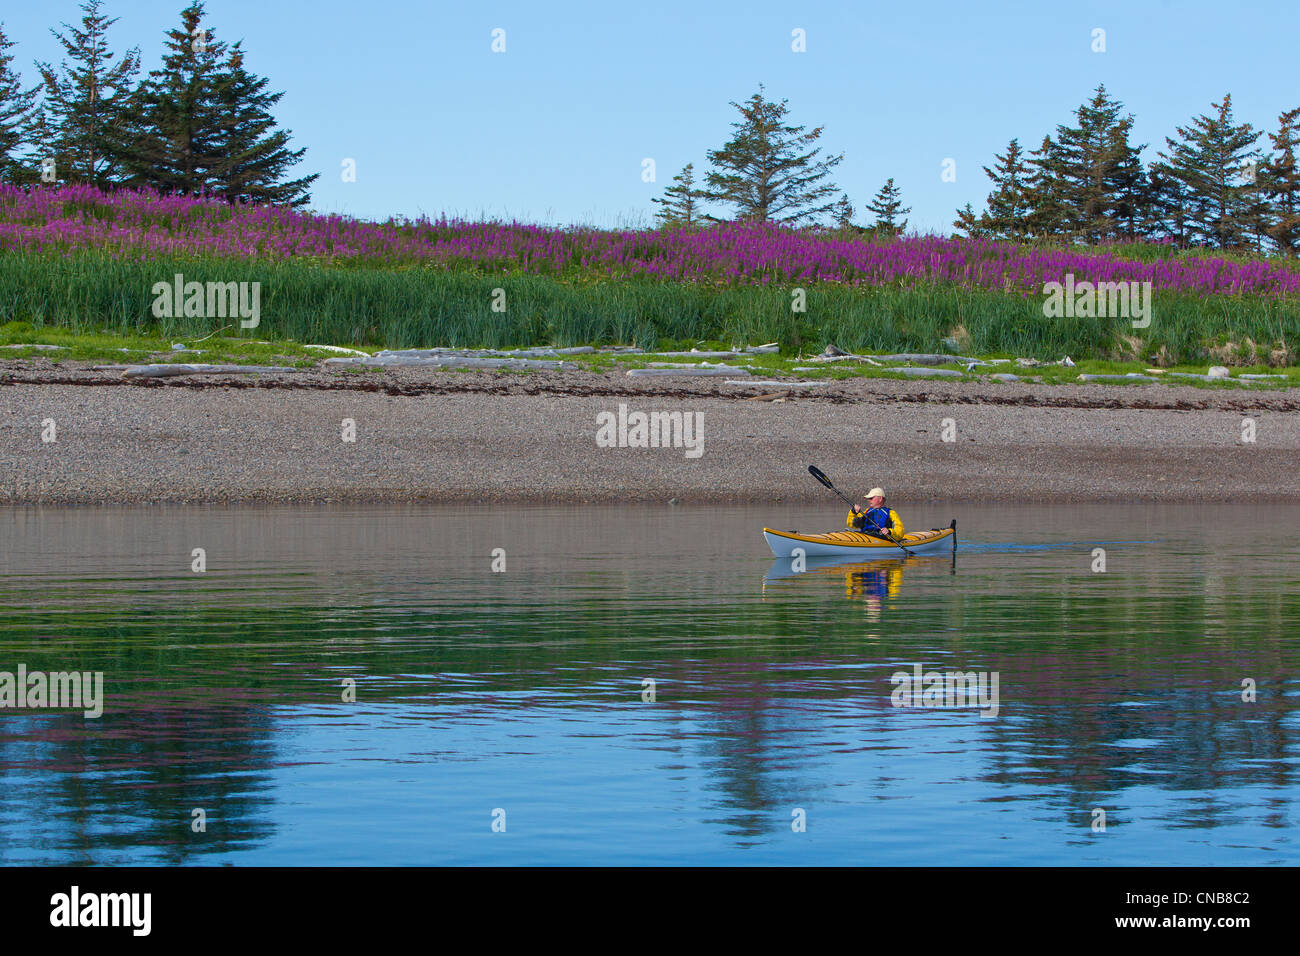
821 476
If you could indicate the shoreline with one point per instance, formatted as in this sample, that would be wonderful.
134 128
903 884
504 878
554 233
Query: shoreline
494 437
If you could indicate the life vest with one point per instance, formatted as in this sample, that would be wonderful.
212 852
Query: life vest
875 520
879 520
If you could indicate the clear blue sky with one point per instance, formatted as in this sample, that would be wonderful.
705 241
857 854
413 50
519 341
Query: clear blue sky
555 129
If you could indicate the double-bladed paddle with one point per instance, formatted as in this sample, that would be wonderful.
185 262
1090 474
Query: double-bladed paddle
821 476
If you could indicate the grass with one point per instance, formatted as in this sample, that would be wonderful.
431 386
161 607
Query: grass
106 347
420 306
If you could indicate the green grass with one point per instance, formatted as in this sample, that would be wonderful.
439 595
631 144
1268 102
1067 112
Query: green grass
407 307
107 347
104 347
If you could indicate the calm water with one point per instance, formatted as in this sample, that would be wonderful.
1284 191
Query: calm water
522 691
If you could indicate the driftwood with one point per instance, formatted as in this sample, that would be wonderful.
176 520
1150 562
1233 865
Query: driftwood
708 370
912 372
1129 377
484 353
168 371
698 355
445 361
336 348
773 383
843 357
922 358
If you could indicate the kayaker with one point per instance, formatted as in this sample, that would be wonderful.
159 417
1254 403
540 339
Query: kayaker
877 519
884 579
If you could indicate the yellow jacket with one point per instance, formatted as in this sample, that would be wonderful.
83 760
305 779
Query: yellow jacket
896 528
858 582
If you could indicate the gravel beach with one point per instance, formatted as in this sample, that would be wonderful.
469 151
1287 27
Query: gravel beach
424 434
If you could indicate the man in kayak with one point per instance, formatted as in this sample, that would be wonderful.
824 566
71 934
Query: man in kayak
877 519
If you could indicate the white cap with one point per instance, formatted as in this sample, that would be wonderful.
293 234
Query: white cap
876 492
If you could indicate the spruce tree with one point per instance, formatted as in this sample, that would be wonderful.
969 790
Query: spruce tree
770 171
1281 181
255 155
17 114
84 99
1008 204
843 212
1048 217
681 201
1130 190
1098 172
1210 158
969 223
887 207
177 141
1166 208
1256 211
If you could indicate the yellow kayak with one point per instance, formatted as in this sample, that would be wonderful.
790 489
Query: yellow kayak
783 543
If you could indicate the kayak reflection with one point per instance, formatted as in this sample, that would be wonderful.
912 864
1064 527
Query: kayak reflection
873 582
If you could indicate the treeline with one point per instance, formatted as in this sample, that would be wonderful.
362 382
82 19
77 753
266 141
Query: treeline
200 124
1211 186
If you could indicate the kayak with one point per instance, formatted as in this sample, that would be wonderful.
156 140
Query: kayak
783 543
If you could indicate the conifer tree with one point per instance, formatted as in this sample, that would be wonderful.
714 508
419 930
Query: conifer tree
1098 173
770 171
40 146
680 202
1256 210
17 114
1043 193
887 207
1281 181
1130 189
256 155
968 222
1008 205
1211 158
1166 206
84 97
843 212
177 142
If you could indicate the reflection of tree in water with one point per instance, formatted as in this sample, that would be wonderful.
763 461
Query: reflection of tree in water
743 752
1070 657
755 744
99 791
1088 729
186 724
752 747
1098 696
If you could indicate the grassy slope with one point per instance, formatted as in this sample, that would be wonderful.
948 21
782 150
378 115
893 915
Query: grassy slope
416 306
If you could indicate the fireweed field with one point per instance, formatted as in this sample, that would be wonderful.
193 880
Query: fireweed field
77 259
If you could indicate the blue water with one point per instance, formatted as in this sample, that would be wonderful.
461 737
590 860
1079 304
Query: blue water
522 691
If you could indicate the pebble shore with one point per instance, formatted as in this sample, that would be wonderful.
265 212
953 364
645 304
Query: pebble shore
493 436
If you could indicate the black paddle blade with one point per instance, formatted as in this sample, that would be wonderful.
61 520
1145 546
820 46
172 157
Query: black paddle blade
817 473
